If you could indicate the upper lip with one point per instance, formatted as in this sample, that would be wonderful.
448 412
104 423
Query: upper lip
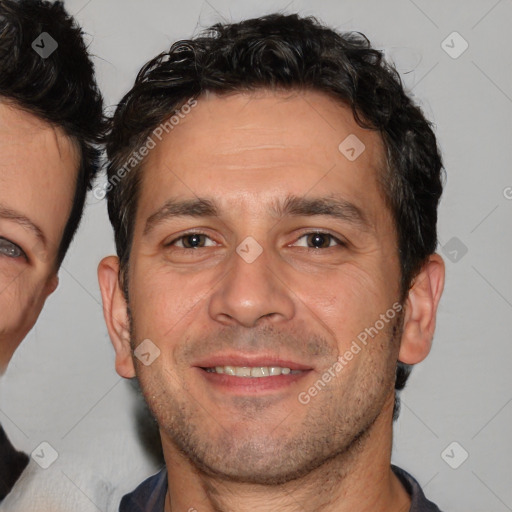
252 360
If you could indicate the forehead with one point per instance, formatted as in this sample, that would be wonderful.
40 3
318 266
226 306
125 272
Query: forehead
38 169
266 144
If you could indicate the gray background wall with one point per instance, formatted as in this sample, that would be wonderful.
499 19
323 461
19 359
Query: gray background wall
61 386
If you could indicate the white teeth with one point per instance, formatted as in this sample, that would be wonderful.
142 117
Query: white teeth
255 371
243 371
259 372
229 370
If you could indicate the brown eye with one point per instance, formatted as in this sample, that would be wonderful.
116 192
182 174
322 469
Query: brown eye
192 241
318 240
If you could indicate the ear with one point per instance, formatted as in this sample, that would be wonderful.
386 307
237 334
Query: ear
420 311
52 284
115 311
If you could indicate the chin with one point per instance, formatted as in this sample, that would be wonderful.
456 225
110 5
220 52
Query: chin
260 462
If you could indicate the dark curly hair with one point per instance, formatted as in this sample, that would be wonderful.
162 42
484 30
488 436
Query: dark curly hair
287 52
59 89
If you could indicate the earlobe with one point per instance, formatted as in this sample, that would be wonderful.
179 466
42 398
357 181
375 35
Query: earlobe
115 311
420 311
52 284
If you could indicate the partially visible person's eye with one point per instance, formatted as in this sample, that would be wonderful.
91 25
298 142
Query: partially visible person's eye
10 249
191 240
319 240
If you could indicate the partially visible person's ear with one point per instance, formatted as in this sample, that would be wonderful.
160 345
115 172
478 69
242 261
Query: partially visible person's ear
115 310
52 284
420 311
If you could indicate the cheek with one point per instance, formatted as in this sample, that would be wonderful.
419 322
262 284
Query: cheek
20 304
366 363
163 304
344 302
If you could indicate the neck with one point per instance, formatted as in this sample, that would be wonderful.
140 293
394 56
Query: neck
359 479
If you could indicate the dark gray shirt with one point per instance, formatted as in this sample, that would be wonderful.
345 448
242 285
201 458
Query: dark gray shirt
150 495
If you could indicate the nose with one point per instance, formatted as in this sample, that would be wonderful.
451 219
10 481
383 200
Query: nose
251 292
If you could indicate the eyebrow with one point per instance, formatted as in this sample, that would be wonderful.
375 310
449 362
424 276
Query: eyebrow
200 207
22 220
331 206
295 206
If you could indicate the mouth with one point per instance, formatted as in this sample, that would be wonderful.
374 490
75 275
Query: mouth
250 374
257 372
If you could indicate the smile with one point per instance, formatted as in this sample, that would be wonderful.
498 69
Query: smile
252 371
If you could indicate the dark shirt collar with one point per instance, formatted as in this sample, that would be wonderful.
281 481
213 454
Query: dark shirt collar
150 495
419 502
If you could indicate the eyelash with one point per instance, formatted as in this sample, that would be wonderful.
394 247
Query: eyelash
18 248
316 232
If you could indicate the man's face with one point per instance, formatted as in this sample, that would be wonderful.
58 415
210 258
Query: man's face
299 257
38 166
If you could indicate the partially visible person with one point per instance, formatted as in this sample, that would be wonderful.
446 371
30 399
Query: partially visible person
51 121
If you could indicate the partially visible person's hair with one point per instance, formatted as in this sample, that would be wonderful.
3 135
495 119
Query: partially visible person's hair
59 88
287 52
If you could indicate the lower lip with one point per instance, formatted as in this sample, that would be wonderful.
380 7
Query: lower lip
247 385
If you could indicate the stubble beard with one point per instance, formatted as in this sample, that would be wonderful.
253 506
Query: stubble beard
335 427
